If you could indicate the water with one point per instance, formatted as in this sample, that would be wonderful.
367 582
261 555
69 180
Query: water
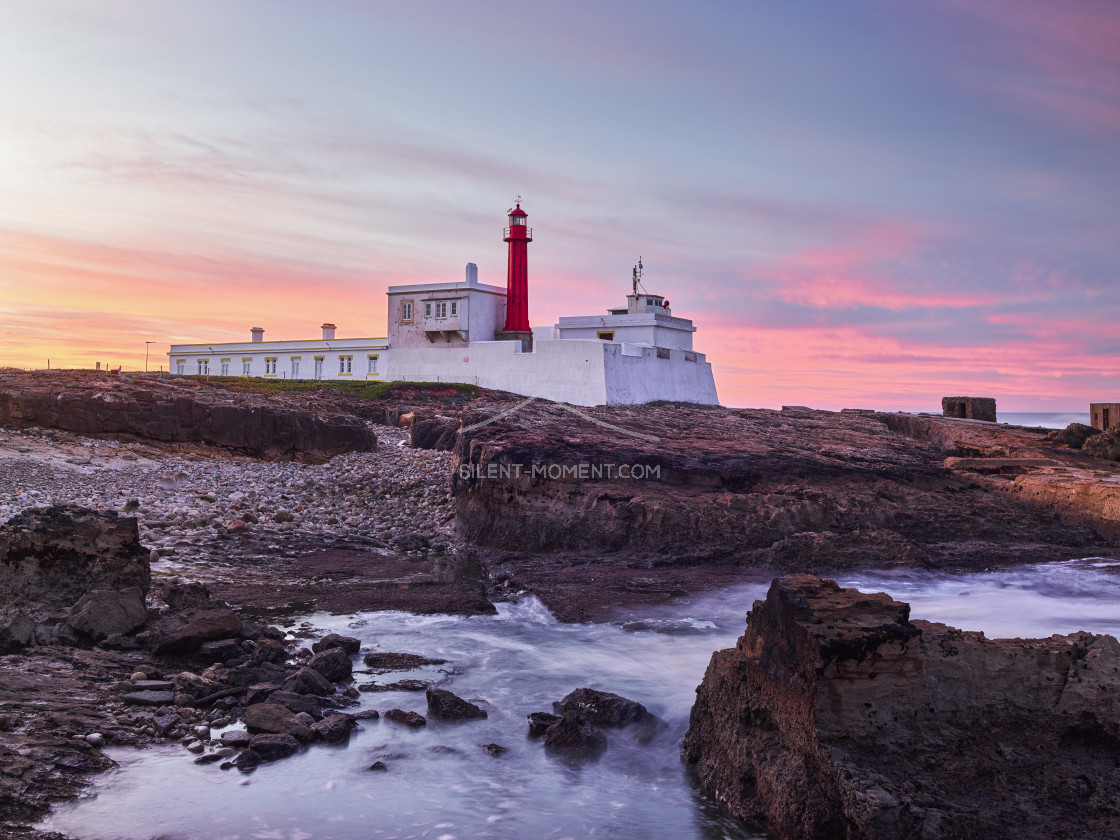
1045 419
441 784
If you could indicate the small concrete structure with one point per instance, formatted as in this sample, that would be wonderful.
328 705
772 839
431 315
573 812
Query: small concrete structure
969 408
1104 416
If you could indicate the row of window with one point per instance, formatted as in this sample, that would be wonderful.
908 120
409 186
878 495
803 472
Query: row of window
271 366
438 308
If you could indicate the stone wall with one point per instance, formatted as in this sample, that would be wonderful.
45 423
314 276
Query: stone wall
969 408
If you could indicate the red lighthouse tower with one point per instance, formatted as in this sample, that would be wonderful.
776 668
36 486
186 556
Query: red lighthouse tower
518 235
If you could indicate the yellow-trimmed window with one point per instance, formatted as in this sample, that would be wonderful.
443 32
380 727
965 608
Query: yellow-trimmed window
270 365
246 365
345 365
372 360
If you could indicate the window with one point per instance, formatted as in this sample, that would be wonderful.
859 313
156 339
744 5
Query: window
427 309
318 367
650 302
441 309
406 311
225 367
270 365
246 365
605 335
344 365
295 366
203 367
180 366
454 307
517 220
372 363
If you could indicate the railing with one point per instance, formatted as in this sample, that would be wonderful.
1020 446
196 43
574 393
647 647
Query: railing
528 232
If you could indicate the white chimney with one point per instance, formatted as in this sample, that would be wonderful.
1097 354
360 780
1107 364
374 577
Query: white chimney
472 274
258 334
328 331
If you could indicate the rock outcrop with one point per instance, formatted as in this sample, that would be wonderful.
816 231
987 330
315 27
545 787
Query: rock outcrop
1105 445
178 411
68 574
836 716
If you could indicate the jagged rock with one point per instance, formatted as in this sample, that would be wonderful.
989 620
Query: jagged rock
349 644
52 558
104 612
495 749
384 662
185 633
242 421
296 702
273 747
184 596
308 681
248 760
399 685
220 650
1074 435
270 650
835 715
196 686
1105 445
334 729
434 433
574 734
333 664
275 719
444 705
413 719
602 708
540 721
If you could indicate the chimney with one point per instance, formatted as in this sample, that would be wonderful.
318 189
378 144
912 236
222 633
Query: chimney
328 331
472 274
258 334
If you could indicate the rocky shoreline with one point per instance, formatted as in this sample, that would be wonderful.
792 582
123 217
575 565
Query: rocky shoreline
428 502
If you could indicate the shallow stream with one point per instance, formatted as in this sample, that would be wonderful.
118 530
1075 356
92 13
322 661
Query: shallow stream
440 782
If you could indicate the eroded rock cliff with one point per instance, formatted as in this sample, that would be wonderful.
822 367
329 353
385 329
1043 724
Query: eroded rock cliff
170 411
836 716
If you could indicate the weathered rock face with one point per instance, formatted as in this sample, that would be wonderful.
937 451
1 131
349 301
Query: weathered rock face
67 573
1104 445
444 705
795 490
1074 435
177 411
835 716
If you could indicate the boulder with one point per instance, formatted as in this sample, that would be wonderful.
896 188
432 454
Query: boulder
413 719
575 735
334 729
248 760
101 613
1074 435
296 702
185 596
185 633
835 715
221 650
436 433
276 720
308 681
149 698
444 705
270 651
602 708
237 738
1105 445
349 644
197 686
540 721
52 558
332 663
271 747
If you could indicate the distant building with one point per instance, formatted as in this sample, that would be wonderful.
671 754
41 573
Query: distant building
1104 416
478 334
969 408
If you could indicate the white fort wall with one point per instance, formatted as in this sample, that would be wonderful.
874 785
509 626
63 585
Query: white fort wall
572 371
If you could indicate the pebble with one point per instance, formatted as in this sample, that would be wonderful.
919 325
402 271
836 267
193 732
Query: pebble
95 739
257 507
196 746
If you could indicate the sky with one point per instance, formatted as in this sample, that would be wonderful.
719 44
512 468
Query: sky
863 204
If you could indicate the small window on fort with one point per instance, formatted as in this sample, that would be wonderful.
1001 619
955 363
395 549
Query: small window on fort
441 309
454 307
406 311
427 310
605 335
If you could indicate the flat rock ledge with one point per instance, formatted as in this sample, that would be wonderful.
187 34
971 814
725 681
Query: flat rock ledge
835 716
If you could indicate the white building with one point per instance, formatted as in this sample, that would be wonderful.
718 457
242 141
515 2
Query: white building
453 332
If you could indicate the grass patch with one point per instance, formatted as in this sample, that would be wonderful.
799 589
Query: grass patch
363 390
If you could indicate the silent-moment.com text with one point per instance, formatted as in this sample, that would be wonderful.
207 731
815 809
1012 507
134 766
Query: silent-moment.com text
572 472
